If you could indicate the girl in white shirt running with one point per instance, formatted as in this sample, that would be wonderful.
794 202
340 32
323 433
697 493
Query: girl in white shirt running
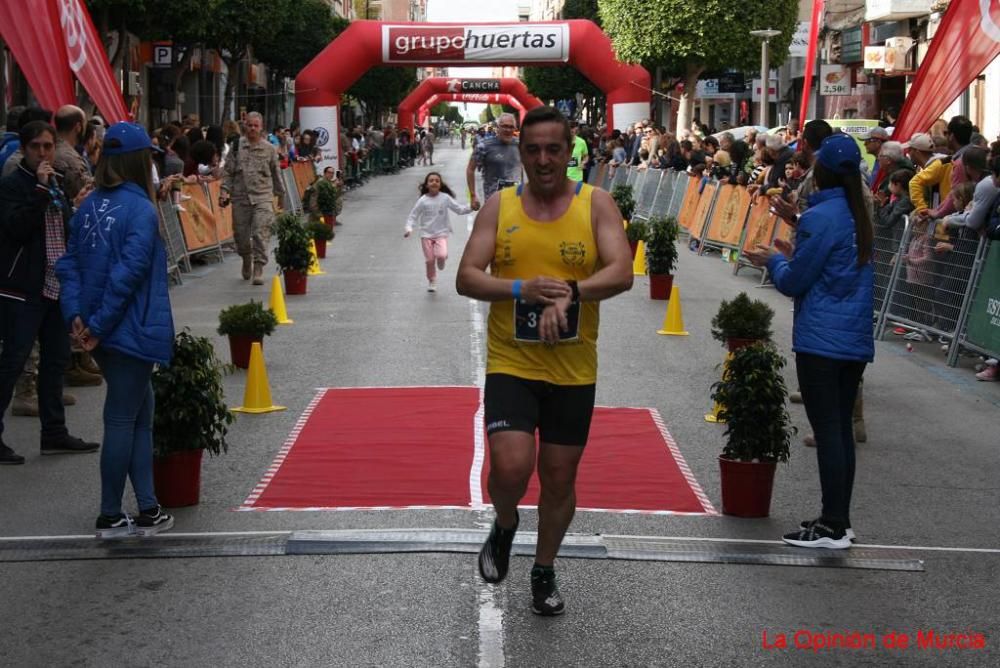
430 217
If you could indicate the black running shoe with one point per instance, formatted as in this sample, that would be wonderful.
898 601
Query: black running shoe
68 445
805 524
545 598
8 456
494 558
153 521
115 526
819 535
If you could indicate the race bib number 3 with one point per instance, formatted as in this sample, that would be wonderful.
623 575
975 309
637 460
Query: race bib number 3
528 316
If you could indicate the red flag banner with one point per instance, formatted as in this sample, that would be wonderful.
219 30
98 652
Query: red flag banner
967 40
86 57
30 39
49 70
817 18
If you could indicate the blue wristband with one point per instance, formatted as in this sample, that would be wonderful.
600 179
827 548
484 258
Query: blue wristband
516 289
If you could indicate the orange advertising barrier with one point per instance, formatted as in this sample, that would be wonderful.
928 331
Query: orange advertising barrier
785 231
305 174
730 211
690 203
760 225
223 216
197 219
702 211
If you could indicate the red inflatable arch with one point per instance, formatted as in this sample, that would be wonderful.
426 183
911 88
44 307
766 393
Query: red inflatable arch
487 98
508 86
367 44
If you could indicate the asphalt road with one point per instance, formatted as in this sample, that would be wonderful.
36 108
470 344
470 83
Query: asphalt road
926 479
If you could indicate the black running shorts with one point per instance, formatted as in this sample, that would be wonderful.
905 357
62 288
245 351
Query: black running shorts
561 413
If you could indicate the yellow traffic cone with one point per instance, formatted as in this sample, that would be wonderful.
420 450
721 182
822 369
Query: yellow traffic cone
277 302
639 262
257 396
716 407
314 268
673 323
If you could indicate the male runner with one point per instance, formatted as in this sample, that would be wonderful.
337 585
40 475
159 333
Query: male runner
555 248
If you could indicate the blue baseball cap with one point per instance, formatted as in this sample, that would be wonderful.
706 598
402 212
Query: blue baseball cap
840 154
126 138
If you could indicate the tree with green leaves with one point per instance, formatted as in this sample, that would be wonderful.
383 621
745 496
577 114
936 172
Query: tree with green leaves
382 88
297 36
563 83
688 37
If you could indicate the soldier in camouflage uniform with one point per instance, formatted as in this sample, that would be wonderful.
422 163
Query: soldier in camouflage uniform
251 180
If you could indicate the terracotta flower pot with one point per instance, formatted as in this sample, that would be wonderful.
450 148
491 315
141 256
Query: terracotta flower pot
320 248
660 286
746 487
295 282
239 349
330 219
177 478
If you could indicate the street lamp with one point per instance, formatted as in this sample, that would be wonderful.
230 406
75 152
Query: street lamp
765 79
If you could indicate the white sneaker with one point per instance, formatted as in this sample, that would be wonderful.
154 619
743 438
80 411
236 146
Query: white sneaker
432 286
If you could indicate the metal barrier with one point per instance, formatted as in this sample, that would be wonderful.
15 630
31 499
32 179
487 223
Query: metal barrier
646 189
660 206
633 174
621 176
979 325
292 202
173 238
677 197
931 282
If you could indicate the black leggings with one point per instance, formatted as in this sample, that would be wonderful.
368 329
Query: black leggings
829 388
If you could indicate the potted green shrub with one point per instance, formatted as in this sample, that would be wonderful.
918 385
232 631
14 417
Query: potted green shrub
292 251
327 200
244 324
320 233
661 255
191 416
636 231
751 400
622 195
742 321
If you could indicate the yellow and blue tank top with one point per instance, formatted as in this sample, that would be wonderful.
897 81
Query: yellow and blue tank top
525 249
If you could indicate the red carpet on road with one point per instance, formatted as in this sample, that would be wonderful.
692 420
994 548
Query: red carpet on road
415 447
627 465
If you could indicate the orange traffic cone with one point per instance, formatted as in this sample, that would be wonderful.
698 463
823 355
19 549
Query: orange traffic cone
257 396
277 302
639 262
314 268
673 323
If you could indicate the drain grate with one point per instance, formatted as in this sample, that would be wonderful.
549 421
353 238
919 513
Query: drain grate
156 547
430 540
665 549
465 541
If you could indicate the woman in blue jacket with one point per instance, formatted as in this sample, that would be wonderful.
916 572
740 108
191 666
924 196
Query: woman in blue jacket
114 298
829 273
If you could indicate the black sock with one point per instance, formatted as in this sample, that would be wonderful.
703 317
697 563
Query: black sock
540 570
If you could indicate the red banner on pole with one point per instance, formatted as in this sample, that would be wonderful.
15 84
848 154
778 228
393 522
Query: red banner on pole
86 57
817 17
49 69
967 40
30 38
